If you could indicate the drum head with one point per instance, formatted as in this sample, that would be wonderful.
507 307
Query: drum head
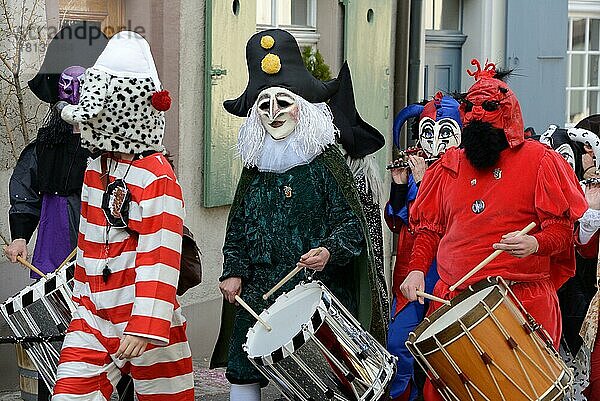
286 317
467 306
457 312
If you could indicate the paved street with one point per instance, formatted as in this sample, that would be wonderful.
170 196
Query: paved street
211 385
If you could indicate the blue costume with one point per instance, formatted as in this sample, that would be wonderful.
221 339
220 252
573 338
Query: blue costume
439 129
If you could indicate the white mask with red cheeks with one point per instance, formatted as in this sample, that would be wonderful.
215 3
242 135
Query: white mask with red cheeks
278 111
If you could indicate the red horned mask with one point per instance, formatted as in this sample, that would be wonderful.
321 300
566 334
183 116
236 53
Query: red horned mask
491 100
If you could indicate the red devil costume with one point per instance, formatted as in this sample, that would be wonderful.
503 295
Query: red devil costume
462 210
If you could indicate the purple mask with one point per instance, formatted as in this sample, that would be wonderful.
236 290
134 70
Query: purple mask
70 83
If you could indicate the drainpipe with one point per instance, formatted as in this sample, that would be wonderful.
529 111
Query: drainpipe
414 50
401 41
407 56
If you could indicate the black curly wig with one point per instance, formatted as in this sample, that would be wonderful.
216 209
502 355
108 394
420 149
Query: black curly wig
482 144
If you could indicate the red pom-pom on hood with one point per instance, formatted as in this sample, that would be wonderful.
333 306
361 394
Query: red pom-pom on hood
161 101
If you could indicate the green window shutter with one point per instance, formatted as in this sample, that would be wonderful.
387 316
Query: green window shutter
369 50
229 25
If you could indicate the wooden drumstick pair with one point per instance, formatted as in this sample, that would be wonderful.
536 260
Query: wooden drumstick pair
277 286
477 268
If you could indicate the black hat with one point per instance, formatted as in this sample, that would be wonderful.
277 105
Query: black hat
590 123
358 138
77 44
274 59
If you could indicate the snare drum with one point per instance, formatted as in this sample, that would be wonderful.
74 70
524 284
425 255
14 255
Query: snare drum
485 347
317 350
43 309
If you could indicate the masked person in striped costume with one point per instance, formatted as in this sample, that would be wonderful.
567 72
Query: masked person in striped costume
128 319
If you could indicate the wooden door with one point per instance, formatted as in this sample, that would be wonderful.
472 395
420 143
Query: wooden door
443 66
108 14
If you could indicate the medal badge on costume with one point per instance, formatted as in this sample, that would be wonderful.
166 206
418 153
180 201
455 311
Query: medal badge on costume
497 173
115 203
478 206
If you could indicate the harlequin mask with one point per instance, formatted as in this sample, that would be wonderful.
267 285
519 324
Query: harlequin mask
440 126
70 83
278 111
559 140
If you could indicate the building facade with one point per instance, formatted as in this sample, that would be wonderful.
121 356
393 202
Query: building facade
398 51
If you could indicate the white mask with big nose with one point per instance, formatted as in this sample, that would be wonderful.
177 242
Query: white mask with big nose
278 111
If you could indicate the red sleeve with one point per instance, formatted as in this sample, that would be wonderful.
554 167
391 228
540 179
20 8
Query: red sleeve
559 202
427 211
589 250
554 238
157 259
424 250
427 217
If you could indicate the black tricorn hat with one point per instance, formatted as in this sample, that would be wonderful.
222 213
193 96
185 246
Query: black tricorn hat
77 44
274 59
358 138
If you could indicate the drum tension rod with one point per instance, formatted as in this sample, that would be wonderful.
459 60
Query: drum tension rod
512 343
464 378
486 358
438 383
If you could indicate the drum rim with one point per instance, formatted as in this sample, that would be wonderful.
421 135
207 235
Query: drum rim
301 337
452 332
15 304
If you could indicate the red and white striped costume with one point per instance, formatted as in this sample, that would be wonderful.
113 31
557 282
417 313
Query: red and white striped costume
139 296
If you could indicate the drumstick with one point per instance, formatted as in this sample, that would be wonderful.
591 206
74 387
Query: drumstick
282 282
432 297
22 261
487 260
254 314
73 253
287 278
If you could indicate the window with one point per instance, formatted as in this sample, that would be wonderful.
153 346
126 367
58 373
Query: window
296 16
109 14
583 61
442 15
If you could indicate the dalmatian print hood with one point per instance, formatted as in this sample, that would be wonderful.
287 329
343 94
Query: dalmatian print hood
122 104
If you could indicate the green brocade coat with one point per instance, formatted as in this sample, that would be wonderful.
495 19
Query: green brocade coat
274 219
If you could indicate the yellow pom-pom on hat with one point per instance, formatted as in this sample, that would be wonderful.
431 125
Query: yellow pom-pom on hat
271 64
267 42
